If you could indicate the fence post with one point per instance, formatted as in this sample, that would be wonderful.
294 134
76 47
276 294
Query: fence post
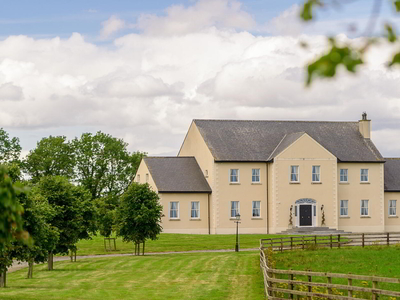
315 239
302 241
309 287
388 240
338 240
330 288
281 244
374 286
291 284
331 240
363 240
291 243
350 283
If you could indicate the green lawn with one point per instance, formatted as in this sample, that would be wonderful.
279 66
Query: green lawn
374 260
174 276
169 242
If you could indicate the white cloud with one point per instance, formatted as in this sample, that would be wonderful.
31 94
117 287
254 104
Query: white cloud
9 91
148 87
286 23
111 26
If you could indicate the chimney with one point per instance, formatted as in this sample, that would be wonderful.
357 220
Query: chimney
364 126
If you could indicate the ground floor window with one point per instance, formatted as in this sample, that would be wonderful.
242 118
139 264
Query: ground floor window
344 207
174 210
392 207
234 208
195 210
364 207
256 209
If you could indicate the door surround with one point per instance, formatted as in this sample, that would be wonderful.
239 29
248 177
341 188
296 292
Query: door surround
306 201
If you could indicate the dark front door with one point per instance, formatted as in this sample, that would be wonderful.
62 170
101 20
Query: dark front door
305 215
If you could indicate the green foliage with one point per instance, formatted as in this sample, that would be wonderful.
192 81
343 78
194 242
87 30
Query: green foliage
104 165
326 65
53 156
105 211
11 211
73 211
397 5
138 216
391 35
395 60
306 13
9 148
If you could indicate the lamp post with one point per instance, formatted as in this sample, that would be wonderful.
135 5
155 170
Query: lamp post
237 221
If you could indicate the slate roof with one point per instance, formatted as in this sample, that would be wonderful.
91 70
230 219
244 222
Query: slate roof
392 175
177 174
233 140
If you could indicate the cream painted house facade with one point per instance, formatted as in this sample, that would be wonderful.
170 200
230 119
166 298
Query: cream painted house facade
276 175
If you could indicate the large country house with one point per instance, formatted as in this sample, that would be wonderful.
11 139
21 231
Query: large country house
276 174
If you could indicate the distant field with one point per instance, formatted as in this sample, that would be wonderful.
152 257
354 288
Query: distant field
169 242
174 276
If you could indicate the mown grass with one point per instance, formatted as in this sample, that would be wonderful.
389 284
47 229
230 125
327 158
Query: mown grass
173 276
373 260
169 242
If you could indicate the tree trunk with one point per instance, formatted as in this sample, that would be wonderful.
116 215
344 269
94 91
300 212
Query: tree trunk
75 256
3 278
71 255
30 268
143 247
50 261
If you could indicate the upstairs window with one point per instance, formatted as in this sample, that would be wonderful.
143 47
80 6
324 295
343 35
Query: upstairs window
174 210
234 208
294 173
147 178
344 208
364 175
392 208
255 175
364 208
195 210
256 209
316 176
138 178
234 175
343 175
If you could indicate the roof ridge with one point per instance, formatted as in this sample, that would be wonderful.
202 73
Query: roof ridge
169 157
300 121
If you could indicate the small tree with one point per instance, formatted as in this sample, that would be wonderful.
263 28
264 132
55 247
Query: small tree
138 216
105 212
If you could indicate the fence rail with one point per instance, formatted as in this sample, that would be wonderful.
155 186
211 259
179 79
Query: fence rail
290 284
332 241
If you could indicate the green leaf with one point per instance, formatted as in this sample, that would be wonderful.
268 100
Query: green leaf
306 13
397 5
395 60
391 35
326 65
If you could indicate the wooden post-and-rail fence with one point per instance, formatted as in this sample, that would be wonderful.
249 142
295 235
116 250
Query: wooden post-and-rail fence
290 284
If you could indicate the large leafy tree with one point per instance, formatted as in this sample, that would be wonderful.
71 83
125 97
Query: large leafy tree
10 148
11 221
74 212
53 156
348 55
103 163
138 217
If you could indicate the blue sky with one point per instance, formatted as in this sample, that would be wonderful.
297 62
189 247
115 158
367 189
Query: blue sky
143 70
44 18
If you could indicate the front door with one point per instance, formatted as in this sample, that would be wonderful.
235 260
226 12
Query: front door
305 215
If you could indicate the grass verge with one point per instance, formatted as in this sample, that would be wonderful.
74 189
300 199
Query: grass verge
175 276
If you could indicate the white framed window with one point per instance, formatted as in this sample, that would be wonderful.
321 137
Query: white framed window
195 210
235 208
344 208
364 175
255 175
256 209
234 175
147 178
364 208
294 173
206 173
174 210
316 175
138 178
392 207
344 175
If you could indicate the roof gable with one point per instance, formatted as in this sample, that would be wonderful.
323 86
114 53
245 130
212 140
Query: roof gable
177 174
233 140
392 175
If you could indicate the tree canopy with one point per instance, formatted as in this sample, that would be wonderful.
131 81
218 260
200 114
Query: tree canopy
10 148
